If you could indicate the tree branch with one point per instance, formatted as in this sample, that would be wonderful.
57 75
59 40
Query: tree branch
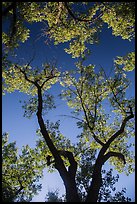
113 154
47 79
115 135
71 116
88 122
36 81
21 187
58 161
111 86
79 19
91 128
121 130
27 79
115 95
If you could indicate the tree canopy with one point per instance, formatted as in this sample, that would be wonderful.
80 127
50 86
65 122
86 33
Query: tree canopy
78 23
105 132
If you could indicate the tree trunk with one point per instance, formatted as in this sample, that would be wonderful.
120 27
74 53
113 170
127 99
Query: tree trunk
95 187
71 192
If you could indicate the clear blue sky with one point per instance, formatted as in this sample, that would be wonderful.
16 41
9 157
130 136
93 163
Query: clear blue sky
23 130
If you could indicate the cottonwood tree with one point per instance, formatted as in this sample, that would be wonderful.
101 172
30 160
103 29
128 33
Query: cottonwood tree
20 172
86 93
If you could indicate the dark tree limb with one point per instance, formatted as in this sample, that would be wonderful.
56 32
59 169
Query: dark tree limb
27 79
116 134
71 13
45 134
80 19
35 82
121 130
114 154
69 155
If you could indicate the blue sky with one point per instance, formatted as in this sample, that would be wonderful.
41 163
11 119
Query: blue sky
23 130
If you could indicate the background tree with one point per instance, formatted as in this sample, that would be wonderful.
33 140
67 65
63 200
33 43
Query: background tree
52 196
20 172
